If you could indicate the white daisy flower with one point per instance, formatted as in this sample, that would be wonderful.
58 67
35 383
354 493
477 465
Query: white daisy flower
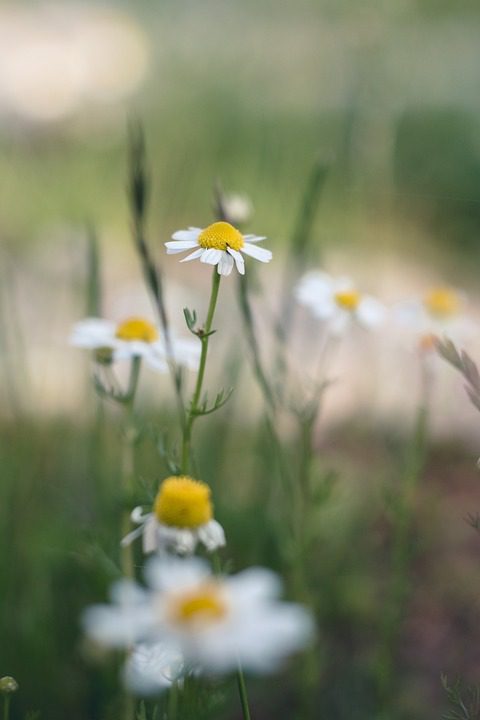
133 337
150 669
215 622
441 312
182 517
218 244
237 208
338 302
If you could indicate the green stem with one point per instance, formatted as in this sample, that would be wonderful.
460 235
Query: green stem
173 702
204 339
6 707
128 465
242 691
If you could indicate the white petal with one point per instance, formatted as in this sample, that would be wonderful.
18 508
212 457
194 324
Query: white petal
171 574
212 535
272 634
211 256
193 256
92 333
154 359
225 265
138 516
127 620
370 312
182 541
254 585
184 235
239 261
257 252
187 352
150 535
178 246
128 539
152 668
254 238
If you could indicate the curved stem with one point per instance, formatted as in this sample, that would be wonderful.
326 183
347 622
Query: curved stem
204 337
242 690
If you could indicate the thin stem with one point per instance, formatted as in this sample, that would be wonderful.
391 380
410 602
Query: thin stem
173 702
242 691
128 465
204 336
6 707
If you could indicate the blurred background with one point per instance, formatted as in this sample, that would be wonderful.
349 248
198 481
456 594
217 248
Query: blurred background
249 95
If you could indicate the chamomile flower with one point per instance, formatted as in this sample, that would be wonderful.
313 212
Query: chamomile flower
133 337
214 622
219 244
440 312
238 209
338 302
182 517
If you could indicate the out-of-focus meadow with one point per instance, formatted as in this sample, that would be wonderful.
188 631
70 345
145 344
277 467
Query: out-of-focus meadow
380 99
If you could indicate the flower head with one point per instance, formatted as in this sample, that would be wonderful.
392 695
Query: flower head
441 311
238 209
338 302
214 622
219 244
132 337
182 517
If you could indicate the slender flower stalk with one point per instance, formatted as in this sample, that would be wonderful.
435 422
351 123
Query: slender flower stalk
128 465
242 691
8 685
194 409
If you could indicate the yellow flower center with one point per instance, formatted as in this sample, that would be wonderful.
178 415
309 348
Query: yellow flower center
205 604
137 329
183 502
347 299
442 302
220 236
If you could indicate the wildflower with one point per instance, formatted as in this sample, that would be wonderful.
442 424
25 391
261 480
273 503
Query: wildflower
440 312
214 622
238 209
338 302
8 685
133 337
219 244
182 517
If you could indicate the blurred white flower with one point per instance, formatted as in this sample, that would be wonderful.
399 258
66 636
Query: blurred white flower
218 244
238 208
133 337
214 622
441 312
182 517
338 302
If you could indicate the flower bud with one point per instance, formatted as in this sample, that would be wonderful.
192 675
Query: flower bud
8 685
